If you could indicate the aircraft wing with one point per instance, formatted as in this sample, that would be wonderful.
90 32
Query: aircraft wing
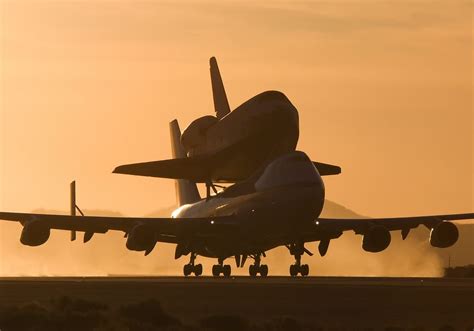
390 223
167 229
326 229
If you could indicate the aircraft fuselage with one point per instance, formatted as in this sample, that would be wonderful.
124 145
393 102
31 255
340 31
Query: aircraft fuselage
270 213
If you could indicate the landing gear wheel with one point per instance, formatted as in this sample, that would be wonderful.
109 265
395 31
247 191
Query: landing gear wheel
216 270
253 270
197 270
226 270
294 270
258 268
304 270
190 268
187 269
263 270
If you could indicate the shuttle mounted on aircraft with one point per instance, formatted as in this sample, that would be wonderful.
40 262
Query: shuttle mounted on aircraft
231 145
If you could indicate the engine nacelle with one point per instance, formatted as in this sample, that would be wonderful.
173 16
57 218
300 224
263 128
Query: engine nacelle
195 134
443 235
376 239
34 233
141 238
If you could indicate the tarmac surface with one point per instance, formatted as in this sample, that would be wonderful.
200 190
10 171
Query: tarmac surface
428 303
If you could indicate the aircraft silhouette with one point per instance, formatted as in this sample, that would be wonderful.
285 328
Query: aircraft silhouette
279 204
276 201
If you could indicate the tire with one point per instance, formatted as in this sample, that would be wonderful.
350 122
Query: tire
304 270
187 269
293 270
226 270
216 270
252 270
263 270
198 270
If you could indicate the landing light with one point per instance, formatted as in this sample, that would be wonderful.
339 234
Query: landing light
212 222
317 222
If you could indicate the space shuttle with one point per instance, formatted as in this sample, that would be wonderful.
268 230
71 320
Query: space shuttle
231 145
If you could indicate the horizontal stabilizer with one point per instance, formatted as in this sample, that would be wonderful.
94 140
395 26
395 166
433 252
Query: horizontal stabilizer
195 169
326 169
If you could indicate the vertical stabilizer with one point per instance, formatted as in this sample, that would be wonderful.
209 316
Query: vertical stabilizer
186 191
221 105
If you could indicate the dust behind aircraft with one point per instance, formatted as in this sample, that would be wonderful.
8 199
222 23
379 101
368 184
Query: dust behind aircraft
276 201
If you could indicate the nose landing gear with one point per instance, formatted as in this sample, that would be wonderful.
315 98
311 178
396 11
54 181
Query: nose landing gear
190 268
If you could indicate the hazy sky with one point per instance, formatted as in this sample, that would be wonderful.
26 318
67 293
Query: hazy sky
383 88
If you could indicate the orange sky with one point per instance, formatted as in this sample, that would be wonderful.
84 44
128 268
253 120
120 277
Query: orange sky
384 89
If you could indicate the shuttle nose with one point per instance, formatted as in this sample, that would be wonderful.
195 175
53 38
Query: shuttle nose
282 107
280 117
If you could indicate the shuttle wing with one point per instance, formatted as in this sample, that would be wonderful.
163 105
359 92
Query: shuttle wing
326 169
195 169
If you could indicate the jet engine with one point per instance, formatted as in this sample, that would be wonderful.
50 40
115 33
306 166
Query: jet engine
195 134
443 235
34 233
141 238
376 239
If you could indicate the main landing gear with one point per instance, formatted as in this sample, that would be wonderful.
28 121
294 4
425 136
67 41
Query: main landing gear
190 268
297 250
221 268
258 268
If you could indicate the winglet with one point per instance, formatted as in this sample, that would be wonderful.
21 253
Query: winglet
221 104
73 208
73 205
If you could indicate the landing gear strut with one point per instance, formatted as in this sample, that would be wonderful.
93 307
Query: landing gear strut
297 250
258 268
221 268
190 268
210 185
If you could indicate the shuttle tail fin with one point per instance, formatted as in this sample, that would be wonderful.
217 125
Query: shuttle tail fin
221 104
186 191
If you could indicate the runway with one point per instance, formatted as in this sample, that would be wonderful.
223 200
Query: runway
466 283
323 301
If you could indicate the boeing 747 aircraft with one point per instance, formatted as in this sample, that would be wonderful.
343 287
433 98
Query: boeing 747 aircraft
278 205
